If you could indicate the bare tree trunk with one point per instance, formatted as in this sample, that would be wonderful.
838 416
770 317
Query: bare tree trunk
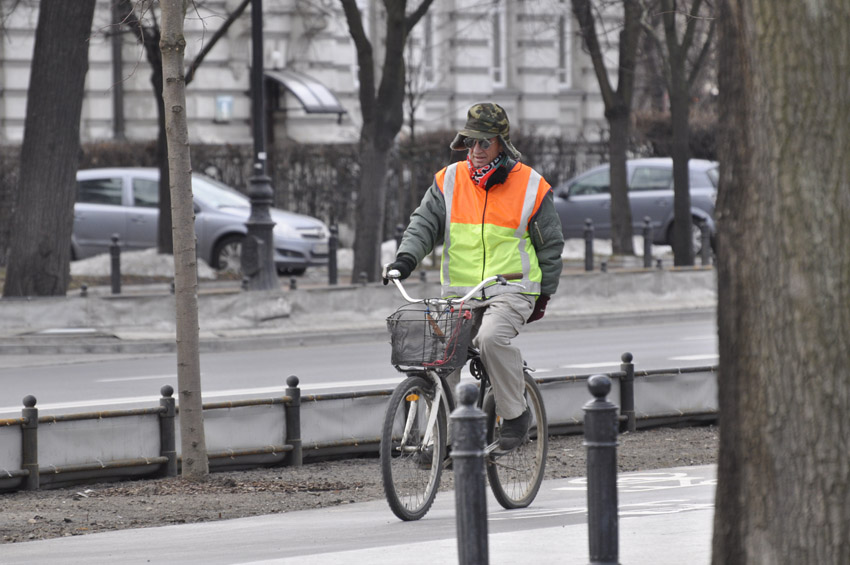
383 116
683 248
40 250
684 28
618 108
621 210
371 204
173 44
784 284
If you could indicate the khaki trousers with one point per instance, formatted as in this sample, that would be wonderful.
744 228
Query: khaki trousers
497 321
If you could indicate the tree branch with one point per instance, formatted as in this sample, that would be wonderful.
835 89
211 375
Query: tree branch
417 15
196 62
587 25
366 71
703 54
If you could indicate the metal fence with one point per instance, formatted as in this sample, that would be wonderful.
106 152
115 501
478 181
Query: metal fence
59 450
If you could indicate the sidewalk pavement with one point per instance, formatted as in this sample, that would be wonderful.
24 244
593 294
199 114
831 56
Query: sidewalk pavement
665 518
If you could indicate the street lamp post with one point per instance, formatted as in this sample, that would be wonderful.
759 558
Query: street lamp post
258 248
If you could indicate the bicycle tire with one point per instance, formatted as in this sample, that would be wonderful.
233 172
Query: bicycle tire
515 476
409 472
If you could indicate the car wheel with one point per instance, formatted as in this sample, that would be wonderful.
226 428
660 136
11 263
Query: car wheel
696 236
227 255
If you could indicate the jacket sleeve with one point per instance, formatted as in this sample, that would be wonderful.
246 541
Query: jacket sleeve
548 240
427 225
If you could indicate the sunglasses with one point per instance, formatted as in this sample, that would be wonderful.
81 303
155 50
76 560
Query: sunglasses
483 143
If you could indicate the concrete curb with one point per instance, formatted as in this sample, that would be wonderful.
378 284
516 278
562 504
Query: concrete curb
143 321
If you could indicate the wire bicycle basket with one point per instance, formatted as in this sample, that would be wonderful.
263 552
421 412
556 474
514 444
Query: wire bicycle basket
425 337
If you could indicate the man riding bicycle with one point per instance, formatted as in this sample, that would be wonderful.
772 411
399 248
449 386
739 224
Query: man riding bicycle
493 215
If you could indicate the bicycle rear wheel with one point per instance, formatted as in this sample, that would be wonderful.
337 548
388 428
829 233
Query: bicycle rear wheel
412 459
515 476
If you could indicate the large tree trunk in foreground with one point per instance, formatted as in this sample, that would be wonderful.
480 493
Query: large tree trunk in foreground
40 243
192 437
784 284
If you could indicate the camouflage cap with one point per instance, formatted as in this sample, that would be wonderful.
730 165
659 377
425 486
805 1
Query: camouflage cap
483 121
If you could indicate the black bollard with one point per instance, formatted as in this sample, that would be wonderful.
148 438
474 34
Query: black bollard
333 245
29 442
705 239
600 438
588 244
647 242
167 432
469 433
627 393
115 254
295 457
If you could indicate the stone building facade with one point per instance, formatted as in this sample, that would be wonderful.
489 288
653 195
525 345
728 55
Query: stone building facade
523 54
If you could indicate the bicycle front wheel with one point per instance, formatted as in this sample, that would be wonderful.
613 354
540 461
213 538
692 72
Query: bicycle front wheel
515 476
412 453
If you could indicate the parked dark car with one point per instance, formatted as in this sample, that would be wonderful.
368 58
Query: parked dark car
125 201
650 195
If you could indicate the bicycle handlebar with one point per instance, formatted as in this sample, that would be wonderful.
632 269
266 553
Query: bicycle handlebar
394 275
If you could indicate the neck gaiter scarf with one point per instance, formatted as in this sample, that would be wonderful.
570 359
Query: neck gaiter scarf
481 175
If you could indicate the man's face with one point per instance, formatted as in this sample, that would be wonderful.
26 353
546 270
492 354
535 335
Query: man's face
480 156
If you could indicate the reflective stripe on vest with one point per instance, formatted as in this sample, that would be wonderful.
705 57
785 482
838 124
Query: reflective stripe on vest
489 235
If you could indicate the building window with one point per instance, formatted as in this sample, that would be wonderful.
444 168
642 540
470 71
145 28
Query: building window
565 27
498 44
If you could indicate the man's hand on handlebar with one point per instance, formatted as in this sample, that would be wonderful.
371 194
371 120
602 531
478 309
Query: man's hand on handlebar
403 264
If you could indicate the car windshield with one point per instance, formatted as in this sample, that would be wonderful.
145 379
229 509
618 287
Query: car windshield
596 183
217 194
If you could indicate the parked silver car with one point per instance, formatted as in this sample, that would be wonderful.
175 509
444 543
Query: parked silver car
124 201
650 195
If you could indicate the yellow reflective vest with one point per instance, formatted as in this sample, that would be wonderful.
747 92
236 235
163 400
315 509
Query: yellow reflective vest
486 231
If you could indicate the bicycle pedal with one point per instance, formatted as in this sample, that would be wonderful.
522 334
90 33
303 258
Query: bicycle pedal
493 449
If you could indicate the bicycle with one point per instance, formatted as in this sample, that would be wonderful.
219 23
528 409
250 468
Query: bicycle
430 339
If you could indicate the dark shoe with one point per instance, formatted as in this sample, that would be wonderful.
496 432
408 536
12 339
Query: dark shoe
514 431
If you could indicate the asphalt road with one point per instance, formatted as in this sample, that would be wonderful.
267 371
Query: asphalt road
63 383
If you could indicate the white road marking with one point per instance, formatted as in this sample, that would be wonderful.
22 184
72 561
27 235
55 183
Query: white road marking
703 357
141 378
649 481
590 365
280 390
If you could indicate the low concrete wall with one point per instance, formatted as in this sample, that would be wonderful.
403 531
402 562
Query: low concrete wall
320 308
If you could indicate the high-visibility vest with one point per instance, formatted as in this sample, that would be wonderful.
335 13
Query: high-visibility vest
486 231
